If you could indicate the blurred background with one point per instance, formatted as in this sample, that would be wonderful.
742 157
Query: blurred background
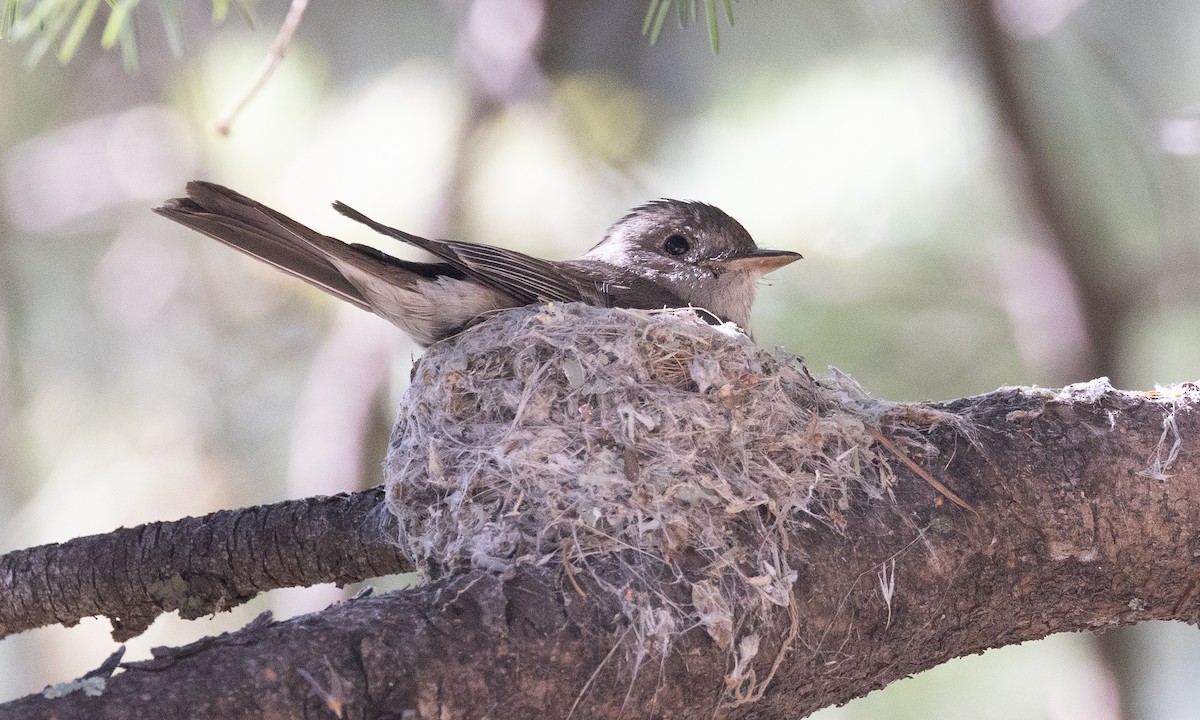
985 194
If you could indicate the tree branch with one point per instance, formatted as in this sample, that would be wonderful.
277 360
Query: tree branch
1086 502
197 566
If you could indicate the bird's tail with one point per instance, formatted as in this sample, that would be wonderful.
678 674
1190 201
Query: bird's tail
263 233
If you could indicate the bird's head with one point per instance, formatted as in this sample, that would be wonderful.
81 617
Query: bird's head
703 254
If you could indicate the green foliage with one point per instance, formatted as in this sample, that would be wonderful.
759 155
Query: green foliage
657 13
65 23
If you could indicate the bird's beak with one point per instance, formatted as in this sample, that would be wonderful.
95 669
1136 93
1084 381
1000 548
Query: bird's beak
761 261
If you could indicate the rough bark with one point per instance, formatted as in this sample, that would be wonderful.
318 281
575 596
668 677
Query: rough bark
1109 287
198 566
1072 533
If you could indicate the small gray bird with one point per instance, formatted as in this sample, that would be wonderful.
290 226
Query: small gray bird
666 253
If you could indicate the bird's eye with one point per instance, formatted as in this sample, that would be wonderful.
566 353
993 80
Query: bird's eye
677 245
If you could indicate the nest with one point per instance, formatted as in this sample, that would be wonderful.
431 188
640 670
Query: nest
566 433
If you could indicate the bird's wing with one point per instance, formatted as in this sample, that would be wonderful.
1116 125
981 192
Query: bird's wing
274 238
525 278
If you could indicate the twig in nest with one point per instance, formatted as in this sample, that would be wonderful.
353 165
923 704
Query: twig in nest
566 560
894 449
278 49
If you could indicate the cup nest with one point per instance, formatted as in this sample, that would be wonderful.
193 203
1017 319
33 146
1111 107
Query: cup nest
568 433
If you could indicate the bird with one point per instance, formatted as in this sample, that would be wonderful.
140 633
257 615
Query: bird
662 254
